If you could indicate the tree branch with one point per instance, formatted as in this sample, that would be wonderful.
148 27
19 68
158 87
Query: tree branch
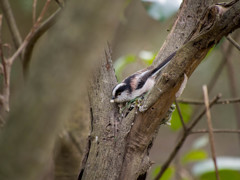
182 140
216 131
234 43
49 22
200 102
217 22
34 11
180 115
17 39
210 129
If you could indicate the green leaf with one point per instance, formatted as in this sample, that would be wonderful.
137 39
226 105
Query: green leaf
167 174
194 155
224 175
186 111
223 163
147 56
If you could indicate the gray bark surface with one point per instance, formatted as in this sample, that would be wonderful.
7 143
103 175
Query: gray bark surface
119 146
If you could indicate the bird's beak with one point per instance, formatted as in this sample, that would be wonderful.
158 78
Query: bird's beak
112 100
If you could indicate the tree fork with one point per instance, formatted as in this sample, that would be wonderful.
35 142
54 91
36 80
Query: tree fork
119 146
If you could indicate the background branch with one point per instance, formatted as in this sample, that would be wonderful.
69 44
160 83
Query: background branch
180 115
234 43
210 130
216 131
201 102
34 11
182 139
8 14
39 31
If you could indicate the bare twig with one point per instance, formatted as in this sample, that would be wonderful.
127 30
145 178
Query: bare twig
183 138
1 53
34 10
1 69
216 131
210 129
30 34
17 39
180 115
4 100
9 61
42 14
234 43
20 49
193 124
200 102
36 35
227 55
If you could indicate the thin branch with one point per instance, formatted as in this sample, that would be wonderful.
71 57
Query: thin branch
49 22
9 61
200 102
180 115
193 124
210 129
216 131
234 43
42 13
34 10
227 52
1 53
30 34
20 49
1 69
17 39
182 139
6 89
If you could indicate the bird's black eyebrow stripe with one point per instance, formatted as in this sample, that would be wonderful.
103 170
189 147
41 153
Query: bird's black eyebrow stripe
120 89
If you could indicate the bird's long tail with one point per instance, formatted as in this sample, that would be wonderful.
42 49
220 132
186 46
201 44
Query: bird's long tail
163 64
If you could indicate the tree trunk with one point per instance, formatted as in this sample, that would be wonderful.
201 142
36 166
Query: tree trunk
118 146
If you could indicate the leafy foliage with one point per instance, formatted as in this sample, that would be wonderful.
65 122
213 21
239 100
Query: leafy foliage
145 56
224 175
194 155
167 174
122 62
186 111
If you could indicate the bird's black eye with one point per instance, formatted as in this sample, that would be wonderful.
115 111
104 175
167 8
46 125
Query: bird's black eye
119 93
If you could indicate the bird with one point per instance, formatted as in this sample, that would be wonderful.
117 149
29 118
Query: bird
138 83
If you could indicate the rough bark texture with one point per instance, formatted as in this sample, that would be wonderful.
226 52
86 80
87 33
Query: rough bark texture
118 146
53 91
217 22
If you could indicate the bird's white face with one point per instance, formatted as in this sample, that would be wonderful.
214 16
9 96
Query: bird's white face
120 94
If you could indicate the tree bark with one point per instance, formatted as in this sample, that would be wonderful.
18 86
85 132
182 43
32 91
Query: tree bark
54 89
119 146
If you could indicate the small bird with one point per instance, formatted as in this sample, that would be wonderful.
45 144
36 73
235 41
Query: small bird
138 83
